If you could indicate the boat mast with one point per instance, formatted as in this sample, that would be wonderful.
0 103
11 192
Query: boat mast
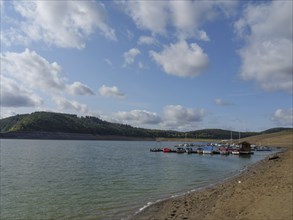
231 138
239 136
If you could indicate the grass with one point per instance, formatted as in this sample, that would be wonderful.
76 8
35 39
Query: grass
278 139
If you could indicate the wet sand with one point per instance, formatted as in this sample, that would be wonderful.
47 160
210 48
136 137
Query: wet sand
263 191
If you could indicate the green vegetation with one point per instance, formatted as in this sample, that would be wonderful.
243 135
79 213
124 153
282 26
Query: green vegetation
68 123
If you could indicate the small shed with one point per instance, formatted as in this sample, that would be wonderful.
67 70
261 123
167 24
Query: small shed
245 146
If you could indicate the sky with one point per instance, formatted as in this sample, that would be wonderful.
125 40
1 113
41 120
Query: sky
179 65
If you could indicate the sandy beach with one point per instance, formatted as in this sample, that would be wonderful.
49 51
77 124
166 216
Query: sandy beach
263 191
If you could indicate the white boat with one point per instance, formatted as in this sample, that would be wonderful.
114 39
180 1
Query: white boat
235 152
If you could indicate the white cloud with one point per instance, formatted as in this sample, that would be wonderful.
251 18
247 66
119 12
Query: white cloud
182 59
78 88
174 117
107 91
129 56
185 17
221 102
146 40
14 95
137 117
179 118
33 71
267 55
149 15
64 104
61 23
5 113
283 117
202 35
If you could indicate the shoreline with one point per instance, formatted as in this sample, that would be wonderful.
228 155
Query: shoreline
203 188
44 135
254 193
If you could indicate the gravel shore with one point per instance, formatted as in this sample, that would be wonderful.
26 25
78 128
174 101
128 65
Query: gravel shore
262 192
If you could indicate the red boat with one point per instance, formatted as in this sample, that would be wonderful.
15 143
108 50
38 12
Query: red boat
224 150
166 150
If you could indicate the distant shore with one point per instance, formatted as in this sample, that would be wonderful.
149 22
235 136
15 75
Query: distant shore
263 191
40 135
43 135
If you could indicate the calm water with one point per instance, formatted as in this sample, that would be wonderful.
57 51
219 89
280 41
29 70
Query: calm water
47 179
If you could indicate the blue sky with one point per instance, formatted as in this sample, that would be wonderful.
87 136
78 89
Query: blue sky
180 65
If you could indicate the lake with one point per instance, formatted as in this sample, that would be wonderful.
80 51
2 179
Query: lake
53 179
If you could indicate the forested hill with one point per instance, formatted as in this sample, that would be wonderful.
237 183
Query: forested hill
68 123
50 122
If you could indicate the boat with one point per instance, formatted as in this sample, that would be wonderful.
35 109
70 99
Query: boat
180 150
224 150
167 150
263 149
208 149
199 150
156 150
235 152
189 150
246 153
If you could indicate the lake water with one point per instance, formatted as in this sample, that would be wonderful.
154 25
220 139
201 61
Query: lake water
48 179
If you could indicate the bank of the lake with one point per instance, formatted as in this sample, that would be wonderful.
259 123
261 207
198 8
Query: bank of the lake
262 192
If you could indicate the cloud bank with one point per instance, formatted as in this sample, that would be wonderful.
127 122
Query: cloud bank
35 72
63 24
107 91
64 104
14 95
182 59
283 117
184 18
26 74
137 117
181 118
267 55
175 117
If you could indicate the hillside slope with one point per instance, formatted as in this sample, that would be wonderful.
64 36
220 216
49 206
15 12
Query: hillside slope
278 139
68 123
46 124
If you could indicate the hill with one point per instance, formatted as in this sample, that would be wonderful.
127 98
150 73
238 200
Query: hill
40 124
282 138
51 125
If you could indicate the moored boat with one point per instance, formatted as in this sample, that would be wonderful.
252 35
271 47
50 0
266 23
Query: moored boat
156 150
235 152
246 152
199 150
189 150
167 150
180 150
224 150
263 148
208 150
